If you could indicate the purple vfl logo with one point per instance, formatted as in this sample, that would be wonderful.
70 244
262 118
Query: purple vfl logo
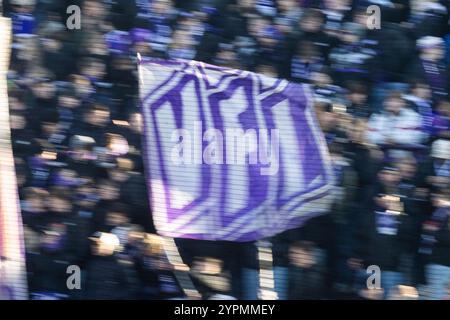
230 155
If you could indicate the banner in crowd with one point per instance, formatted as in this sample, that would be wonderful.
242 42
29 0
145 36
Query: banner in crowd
230 155
13 284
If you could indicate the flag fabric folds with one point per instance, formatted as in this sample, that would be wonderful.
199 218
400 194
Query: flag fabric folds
229 154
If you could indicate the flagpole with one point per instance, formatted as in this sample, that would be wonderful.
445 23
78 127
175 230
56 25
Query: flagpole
13 284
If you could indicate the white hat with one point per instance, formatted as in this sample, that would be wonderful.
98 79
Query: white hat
23 2
106 238
429 42
441 149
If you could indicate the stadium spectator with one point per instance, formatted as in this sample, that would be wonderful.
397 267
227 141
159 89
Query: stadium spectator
397 125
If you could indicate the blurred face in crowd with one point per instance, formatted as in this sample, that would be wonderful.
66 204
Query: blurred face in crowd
267 41
36 204
67 174
444 108
68 101
118 174
247 4
407 168
98 117
312 24
349 37
81 153
336 4
59 204
287 5
44 90
95 69
436 53
114 219
49 128
389 177
96 45
16 104
162 7
302 255
358 98
108 190
94 9
36 199
255 25
188 23
327 119
29 49
267 70
320 79
144 48
226 58
49 239
17 122
83 86
51 44
182 39
394 105
284 28
207 265
422 91
23 8
441 200
86 196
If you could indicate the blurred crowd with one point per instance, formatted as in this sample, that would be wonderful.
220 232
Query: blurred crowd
381 96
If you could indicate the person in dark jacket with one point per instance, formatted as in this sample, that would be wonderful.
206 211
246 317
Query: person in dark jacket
48 266
123 14
384 233
419 100
311 28
21 135
434 173
352 59
109 277
357 95
306 273
436 243
394 53
430 66
429 19
96 125
441 121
